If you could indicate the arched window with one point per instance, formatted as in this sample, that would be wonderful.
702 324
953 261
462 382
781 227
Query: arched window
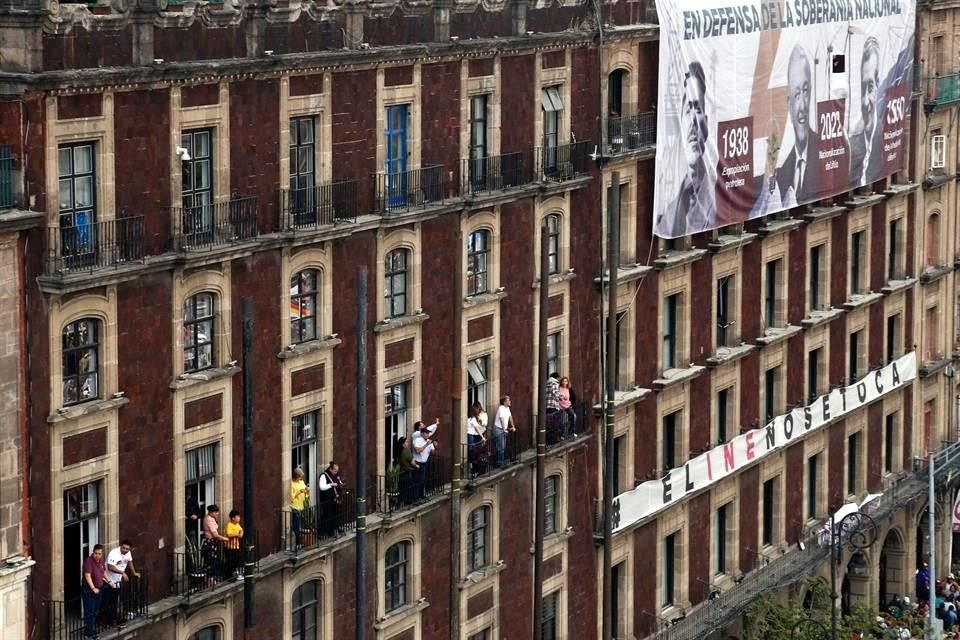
395 270
199 312
478 538
81 361
478 256
306 611
396 591
303 305
553 243
207 633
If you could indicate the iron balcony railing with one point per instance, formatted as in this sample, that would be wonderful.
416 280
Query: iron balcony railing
564 161
630 133
319 206
65 619
801 560
401 190
492 173
88 247
943 89
483 457
216 224
201 568
6 177
318 523
401 489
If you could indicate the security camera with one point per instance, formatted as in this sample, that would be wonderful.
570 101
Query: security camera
183 154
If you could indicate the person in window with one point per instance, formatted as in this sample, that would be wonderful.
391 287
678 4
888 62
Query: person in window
477 449
565 401
502 424
403 458
119 568
331 487
90 591
299 494
211 544
194 514
424 444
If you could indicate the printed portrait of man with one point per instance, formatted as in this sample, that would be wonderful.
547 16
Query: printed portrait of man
865 150
797 175
694 209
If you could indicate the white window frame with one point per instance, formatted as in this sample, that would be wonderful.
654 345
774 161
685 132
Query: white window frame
938 151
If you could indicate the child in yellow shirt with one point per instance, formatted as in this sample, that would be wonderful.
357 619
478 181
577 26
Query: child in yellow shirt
234 533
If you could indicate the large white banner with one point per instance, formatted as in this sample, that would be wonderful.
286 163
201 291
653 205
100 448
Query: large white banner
726 459
766 105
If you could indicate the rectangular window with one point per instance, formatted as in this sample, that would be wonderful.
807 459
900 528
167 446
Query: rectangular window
931 345
858 243
396 401
478 141
770 393
548 624
938 151
396 267
669 569
725 286
720 541
770 294
723 413
813 477
196 170
551 505
769 511
853 467
671 422
623 365
893 250
670 306
477 538
551 104
554 342
619 464
815 266
889 442
618 582
81 531
395 575
478 262
306 433
813 374
854 356
893 337
201 474
78 203
302 171
478 386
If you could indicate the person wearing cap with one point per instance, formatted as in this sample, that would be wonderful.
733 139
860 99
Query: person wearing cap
424 444
923 583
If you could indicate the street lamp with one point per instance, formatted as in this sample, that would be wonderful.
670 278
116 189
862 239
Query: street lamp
857 532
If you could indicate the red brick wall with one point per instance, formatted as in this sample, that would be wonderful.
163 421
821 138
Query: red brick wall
581 554
553 59
751 294
203 411
435 580
701 328
645 464
255 147
85 446
553 18
480 328
516 131
440 100
480 67
555 306
199 94
482 24
796 274
304 35
85 105
647 81
142 139
34 119
396 76
354 96
796 370
398 352
906 416
644 207
838 352
836 457
701 416
839 269
878 247
440 302
80 49
308 379
585 97
749 494
306 85
480 603
874 442
699 546
515 536
750 389
646 549
398 29
198 42
793 505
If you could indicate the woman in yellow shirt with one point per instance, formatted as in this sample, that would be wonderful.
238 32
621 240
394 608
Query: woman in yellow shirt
299 493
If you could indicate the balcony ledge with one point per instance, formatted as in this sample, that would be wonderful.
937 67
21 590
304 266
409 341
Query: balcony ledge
401 613
625 155
86 409
932 274
723 355
893 286
859 300
13 220
484 298
819 317
624 274
932 181
623 399
894 190
773 335
185 380
776 226
929 367
818 213
556 278
677 258
479 575
725 242
865 200
671 377
392 324
320 344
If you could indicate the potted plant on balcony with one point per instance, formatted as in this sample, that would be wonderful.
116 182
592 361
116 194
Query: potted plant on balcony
393 486
195 565
308 524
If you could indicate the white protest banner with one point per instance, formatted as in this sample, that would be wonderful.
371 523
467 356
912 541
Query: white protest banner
726 459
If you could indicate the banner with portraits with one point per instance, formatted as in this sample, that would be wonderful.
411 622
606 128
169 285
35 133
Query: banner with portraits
763 106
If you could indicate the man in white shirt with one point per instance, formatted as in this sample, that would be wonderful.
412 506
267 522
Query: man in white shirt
423 445
118 562
502 424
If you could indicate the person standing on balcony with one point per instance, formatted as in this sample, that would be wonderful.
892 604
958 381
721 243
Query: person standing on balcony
424 443
330 497
408 469
476 425
93 577
118 561
234 531
565 402
299 493
502 424
211 544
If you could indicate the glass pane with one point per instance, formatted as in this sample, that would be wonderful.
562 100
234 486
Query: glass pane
84 192
202 175
306 131
204 305
65 161
293 133
89 387
201 141
83 159
66 194
204 331
307 306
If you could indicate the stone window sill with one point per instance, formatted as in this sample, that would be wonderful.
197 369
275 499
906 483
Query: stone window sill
816 214
185 380
484 298
726 242
321 344
858 300
894 190
401 613
625 274
479 575
558 538
929 367
723 355
623 399
932 274
392 324
677 258
779 226
818 317
87 408
894 286
556 278
670 377
865 200
773 335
